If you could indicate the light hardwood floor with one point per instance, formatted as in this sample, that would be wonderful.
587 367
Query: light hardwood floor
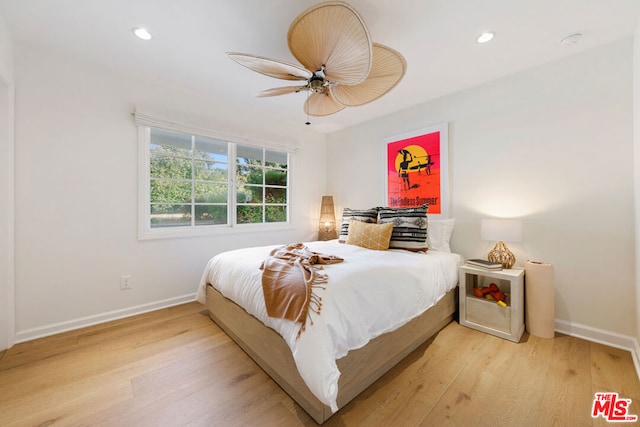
175 367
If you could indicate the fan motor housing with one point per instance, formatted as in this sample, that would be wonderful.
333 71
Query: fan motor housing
316 84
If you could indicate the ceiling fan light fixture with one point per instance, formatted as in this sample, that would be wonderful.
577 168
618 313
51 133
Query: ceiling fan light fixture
316 85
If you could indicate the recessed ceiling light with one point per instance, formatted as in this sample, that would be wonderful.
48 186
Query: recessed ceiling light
142 33
485 37
571 40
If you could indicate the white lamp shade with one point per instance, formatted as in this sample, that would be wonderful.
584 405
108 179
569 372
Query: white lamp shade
501 230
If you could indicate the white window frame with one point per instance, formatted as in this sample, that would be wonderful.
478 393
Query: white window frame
145 231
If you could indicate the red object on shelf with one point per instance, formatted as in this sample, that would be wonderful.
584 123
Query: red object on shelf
492 290
498 296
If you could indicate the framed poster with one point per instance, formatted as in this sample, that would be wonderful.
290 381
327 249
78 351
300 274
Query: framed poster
417 170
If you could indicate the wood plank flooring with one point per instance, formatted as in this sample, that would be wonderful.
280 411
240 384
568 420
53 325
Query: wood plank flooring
175 367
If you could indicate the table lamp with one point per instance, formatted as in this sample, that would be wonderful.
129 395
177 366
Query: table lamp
500 231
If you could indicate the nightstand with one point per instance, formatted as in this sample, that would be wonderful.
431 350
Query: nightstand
485 315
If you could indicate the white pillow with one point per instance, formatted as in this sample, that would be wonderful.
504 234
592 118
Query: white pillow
439 234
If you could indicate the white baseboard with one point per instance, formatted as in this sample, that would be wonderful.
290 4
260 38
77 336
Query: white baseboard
56 328
601 336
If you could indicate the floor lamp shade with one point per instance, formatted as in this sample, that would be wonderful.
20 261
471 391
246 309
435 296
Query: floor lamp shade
327 226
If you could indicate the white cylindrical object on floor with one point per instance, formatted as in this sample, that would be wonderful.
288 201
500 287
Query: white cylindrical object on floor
539 299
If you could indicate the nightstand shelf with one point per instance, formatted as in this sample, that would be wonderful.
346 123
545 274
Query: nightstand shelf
487 316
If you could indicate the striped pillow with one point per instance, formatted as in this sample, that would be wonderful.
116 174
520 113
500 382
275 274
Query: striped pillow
364 215
409 227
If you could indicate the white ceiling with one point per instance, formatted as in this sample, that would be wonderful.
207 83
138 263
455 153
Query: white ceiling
437 38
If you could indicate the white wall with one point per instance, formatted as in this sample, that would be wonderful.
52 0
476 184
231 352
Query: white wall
76 193
636 176
561 133
552 145
7 326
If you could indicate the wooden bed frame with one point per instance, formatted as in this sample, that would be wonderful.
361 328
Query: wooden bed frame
359 368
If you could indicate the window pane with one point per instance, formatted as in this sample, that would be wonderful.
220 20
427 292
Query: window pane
276 214
275 177
249 175
170 216
249 194
211 149
165 191
276 159
275 195
211 214
210 171
175 144
211 193
249 214
249 155
170 167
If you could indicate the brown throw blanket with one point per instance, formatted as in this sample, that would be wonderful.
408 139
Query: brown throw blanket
289 275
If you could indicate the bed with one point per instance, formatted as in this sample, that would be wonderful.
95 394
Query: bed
378 306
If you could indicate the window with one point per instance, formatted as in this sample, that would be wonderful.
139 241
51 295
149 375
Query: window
261 185
195 184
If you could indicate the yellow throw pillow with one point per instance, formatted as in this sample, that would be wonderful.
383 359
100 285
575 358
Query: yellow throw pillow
370 236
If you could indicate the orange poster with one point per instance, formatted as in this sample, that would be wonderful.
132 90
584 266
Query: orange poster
417 170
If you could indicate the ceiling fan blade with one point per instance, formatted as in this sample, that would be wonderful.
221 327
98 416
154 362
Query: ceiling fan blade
388 69
271 67
321 104
332 35
280 91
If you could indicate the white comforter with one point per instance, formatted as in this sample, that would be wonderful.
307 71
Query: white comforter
370 293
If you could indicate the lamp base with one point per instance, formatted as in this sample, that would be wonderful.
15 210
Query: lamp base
327 235
501 254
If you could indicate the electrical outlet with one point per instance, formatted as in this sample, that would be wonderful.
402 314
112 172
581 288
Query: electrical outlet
126 282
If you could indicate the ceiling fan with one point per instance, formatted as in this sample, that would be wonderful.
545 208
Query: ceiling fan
341 66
